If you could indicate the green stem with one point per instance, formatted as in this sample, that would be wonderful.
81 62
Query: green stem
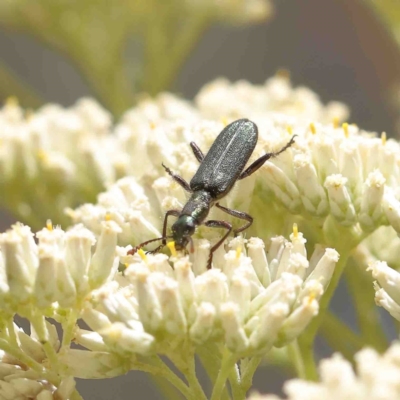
306 348
248 372
361 289
155 79
159 368
69 328
76 395
295 356
12 337
39 323
306 340
168 390
209 356
191 377
347 342
28 361
235 384
228 361
278 357
397 326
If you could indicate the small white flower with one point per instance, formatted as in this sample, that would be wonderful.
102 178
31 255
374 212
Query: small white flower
387 287
376 378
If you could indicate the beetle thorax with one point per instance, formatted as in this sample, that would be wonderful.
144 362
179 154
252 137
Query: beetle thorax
198 206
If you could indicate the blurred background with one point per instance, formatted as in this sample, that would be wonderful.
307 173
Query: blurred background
58 51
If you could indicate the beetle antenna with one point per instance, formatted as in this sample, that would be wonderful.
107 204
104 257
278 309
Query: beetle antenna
138 247
286 146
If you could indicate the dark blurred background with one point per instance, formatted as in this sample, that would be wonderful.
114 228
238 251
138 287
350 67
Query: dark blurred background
337 48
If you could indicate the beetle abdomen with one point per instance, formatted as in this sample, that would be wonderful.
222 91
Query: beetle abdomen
226 158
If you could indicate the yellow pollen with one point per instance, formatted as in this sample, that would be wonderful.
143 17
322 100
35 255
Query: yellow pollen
49 225
107 217
345 127
383 138
312 128
224 121
335 122
295 230
171 246
289 129
311 297
152 125
12 101
238 252
142 255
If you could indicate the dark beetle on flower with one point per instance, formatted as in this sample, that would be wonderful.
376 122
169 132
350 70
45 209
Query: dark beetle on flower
219 170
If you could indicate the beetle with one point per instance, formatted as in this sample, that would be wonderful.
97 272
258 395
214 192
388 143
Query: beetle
219 170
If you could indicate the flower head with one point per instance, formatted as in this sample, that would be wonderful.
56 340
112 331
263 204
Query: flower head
250 300
59 271
338 380
74 153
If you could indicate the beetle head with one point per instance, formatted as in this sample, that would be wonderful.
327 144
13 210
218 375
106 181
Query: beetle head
182 230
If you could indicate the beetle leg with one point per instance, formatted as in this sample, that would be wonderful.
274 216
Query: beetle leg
175 213
139 246
178 179
197 152
217 224
259 162
237 214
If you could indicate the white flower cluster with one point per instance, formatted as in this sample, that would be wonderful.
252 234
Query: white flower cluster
20 381
59 269
377 377
48 279
250 300
343 173
68 155
43 156
241 99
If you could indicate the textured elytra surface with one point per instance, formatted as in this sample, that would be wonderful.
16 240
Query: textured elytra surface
226 158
